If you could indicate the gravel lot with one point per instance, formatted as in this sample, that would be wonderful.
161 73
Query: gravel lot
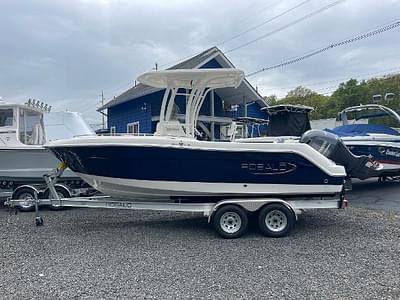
84 253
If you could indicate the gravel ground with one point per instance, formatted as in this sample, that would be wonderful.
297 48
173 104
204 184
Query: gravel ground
373 194
95 254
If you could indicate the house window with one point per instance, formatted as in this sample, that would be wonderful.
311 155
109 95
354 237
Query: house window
112 130
133 128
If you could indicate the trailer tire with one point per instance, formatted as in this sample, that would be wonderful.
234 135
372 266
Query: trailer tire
25 193
275 220
230 221
62 192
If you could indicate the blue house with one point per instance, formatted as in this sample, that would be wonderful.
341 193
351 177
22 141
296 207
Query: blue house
137 110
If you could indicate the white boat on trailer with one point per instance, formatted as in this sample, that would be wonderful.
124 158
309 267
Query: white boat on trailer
24 128
172 170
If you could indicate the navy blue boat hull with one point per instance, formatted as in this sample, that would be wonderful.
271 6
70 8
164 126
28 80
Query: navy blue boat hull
196 171
389 156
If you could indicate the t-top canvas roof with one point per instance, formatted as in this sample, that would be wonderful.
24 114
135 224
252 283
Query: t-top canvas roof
190 78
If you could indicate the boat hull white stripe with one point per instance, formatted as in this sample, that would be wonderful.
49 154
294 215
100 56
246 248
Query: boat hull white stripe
128 188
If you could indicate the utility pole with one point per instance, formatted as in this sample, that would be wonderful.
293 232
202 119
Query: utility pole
102 115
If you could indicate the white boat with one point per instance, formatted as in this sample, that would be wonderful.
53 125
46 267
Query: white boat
173 164
23 159
382 142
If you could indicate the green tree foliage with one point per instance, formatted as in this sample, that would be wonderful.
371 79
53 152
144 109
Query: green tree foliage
347 94
304 96
351 93
271 100
300 91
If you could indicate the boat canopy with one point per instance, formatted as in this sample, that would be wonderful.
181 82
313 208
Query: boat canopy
288 120
362 130
192 78
295 108
197 84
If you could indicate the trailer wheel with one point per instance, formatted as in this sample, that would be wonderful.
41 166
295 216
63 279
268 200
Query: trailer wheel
25 193
230 221
62 192
275 220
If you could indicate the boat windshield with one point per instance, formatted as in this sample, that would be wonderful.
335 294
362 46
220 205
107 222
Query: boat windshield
31 127
6 117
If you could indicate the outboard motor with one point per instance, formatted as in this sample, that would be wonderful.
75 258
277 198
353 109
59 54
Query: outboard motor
332 147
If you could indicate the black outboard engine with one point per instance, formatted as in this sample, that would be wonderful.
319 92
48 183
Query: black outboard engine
332 147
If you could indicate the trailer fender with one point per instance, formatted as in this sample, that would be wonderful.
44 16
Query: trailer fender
33 188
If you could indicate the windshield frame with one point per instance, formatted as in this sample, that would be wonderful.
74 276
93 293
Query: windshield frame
30 132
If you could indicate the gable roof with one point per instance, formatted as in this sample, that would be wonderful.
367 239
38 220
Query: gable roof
197 60
194 62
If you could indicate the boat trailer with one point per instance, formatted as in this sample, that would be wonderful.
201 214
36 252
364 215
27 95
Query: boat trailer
229 217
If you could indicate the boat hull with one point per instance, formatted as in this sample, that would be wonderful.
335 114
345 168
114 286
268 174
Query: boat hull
164 171
386 153
28 165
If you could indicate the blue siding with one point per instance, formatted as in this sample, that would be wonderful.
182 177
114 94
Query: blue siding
253 110
128 112
142 109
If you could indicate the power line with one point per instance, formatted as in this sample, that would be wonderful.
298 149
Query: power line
305 17
264 22
249 17
335 80
245 31
359 37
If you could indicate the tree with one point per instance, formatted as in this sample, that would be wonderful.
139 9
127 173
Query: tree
271 100
351 93
304 96
300 91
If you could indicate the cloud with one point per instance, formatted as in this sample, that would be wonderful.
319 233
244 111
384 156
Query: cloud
67 52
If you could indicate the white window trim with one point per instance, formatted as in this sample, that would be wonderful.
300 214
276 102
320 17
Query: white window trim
133 125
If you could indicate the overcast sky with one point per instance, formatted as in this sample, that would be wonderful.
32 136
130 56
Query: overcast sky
66 52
